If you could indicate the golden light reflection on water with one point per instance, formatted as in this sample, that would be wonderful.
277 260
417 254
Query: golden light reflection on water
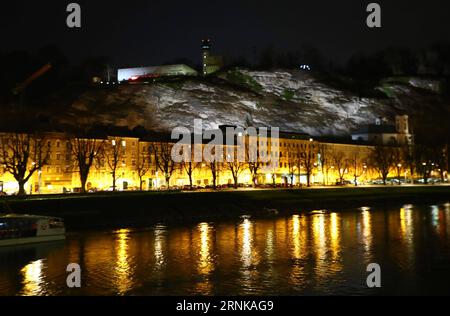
318 235
366 233
159 247
270 249
319 244
33 282
335 236
299 250
296 237
123 270
249 256
205 262
406 224
246 241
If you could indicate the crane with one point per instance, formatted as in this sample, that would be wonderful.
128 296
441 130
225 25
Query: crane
21 87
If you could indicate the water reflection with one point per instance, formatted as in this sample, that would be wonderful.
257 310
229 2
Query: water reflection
366 233
296 239
124 274
159 245
335 235
407 225
299 252
320 252
246 240
205 264
249 258
33 279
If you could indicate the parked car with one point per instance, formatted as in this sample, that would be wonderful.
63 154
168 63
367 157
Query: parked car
342 183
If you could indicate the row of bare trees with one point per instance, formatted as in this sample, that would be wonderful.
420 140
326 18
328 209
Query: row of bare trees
22 155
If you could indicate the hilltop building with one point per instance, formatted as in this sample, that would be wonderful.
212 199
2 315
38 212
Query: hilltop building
133 74
384 134
211 64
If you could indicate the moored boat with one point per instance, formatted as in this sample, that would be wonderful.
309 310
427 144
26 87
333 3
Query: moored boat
27 229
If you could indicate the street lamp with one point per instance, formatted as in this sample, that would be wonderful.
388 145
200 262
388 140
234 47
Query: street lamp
399 169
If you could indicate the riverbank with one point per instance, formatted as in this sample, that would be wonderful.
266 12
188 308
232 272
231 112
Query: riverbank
110 210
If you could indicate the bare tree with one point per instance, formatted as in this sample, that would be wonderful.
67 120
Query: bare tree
382 159
114 152
162 153
309 161
409 159
236 167
22 155
142 166
341 164
440 152
85 153
399 162
215 167
292 162
357 166
299 153
188 165
254 163
424 160
324 159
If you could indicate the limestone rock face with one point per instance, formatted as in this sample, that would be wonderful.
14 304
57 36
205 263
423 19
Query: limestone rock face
291 100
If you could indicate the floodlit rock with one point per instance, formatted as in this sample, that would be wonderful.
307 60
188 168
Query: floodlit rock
291 100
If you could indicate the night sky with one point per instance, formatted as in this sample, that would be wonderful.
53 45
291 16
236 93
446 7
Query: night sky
152 32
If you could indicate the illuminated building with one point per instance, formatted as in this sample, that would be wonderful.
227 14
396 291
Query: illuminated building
382 133
210 64
142 73
60 174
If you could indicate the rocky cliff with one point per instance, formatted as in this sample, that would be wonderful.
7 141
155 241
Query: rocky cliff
291 100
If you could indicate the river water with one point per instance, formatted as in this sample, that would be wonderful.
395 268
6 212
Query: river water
315 253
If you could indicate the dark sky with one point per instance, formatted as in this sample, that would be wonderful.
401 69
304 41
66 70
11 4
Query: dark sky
150 32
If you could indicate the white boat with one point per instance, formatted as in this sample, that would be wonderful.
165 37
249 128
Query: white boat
28 229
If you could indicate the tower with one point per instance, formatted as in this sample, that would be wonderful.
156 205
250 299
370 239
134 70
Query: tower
206 52
402 124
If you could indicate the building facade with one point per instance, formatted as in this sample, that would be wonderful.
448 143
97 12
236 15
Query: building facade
210 64
299 160
142 73
381 133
